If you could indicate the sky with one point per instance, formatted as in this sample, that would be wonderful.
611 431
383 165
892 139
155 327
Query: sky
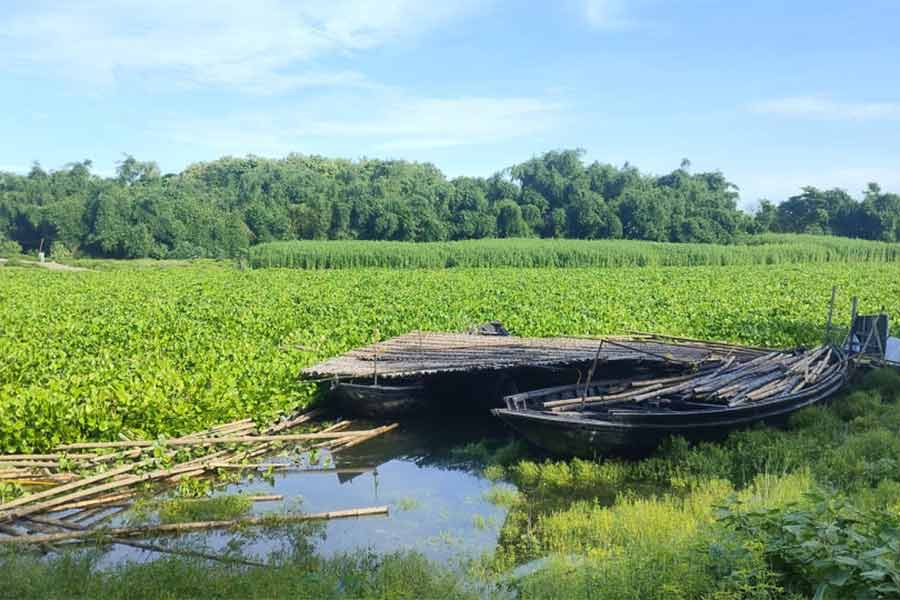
774 94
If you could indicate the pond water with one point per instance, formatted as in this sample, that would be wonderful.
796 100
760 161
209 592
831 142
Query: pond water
434 491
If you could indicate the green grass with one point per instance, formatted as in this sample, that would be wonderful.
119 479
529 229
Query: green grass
363 575
655 528
768 514
224 507
408 503
768 249
503 495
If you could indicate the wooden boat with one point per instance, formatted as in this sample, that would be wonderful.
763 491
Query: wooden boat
380 401
473 371
636 417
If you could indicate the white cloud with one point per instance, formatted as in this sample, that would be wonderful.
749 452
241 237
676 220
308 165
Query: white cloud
434 122
391 122
250 45
823 108
607 14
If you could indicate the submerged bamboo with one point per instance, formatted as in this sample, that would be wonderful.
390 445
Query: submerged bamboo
225 439
194 526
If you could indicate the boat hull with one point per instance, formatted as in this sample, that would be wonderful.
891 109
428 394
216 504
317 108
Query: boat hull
380 401
638 432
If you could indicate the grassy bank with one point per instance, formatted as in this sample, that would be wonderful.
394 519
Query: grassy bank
534 253
767 514
355 576
810 511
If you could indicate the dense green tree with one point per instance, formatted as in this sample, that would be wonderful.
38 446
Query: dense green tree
218 208
765 217
510 222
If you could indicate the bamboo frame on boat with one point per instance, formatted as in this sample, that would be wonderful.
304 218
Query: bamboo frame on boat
426 353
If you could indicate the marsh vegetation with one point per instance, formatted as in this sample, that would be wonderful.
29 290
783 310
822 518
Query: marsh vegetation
147 352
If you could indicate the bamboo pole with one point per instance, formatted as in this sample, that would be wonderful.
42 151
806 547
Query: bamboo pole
830 315
37 464
101 514
148 546
81 515
119 500
81 493
15 457
238 427
68 487
359 440
227 439
15 533
117 532
107 500
77 495
307 416
336 427
43 477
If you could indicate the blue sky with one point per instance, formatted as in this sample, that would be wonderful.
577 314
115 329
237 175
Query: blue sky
774 94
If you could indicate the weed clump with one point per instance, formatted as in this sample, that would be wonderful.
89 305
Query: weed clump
746 518
886 382
224 507
215 508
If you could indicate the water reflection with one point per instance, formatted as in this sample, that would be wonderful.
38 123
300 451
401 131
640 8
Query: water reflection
434 491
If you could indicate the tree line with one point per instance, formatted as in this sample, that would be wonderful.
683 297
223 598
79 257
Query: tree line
219 208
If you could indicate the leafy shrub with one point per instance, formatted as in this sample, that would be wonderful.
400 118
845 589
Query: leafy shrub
9 248
185 250
858 404
214 508
657 547
60 251
827 547
863 460
886 382
741 572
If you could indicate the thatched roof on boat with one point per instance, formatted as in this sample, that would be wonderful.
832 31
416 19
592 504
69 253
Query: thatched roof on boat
426 353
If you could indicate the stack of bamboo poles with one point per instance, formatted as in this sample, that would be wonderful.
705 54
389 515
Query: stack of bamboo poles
88 483
732 383
424 353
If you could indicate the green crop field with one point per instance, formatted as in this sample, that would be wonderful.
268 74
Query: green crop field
770 249
89 355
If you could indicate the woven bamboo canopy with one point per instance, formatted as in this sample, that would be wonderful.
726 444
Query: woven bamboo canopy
427 353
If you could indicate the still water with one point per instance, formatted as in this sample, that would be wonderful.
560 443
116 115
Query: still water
432 487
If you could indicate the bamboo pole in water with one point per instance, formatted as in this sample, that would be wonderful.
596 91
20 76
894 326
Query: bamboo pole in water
193 526
226 439
148 546
359 440
115 487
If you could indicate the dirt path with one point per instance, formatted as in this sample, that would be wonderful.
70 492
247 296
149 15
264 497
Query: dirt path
53 266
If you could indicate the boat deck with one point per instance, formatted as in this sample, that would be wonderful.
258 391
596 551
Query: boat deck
427 353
